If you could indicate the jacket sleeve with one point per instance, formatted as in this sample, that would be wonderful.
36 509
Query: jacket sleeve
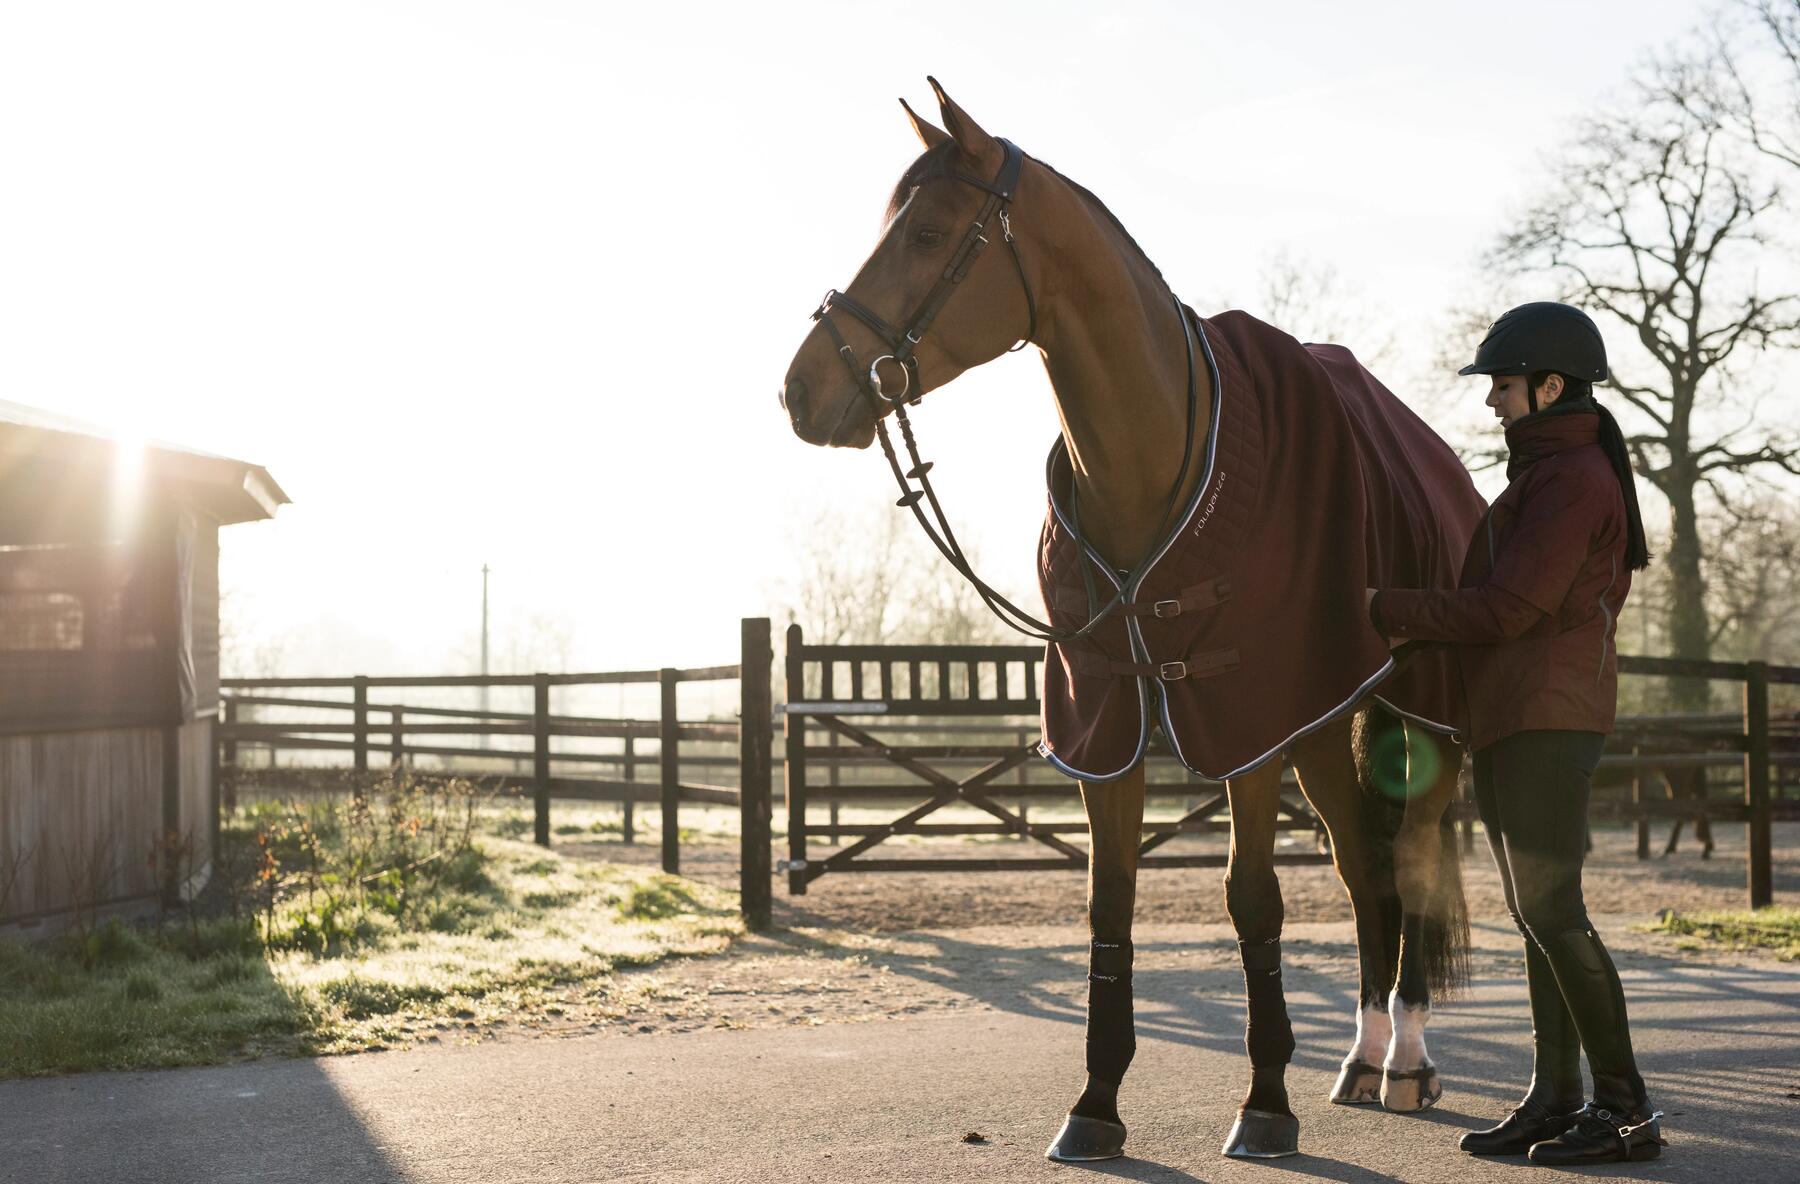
1533 572
1469 615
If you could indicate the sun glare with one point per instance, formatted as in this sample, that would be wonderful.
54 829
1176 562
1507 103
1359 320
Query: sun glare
126 498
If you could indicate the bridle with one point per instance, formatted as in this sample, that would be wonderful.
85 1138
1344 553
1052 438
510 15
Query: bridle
902 344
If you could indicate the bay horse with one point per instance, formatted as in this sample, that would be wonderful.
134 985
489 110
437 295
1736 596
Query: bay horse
1121 363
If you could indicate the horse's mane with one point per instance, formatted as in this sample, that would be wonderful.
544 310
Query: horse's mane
940 161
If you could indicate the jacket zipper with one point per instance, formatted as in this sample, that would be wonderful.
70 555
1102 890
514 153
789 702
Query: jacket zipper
1606 634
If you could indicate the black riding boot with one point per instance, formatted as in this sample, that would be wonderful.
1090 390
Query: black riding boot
1590 985
1600 1135
1619 1124
1553 1102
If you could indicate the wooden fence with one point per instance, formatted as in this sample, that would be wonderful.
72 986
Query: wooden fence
957 723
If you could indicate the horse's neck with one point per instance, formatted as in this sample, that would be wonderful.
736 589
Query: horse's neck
1117 357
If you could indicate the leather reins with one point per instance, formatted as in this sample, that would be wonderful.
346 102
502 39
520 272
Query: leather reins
902 344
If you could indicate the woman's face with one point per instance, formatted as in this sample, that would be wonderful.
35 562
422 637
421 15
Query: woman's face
1509 398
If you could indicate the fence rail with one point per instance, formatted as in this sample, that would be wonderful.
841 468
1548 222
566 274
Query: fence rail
911 705
389 731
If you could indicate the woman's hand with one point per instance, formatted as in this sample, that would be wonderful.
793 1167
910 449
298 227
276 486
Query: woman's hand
1368 601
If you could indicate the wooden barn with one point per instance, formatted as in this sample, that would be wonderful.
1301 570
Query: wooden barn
109 665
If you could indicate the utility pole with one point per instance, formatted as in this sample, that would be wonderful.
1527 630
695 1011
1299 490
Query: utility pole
485 737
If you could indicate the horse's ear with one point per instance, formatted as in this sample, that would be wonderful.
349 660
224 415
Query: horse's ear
929 133
976 144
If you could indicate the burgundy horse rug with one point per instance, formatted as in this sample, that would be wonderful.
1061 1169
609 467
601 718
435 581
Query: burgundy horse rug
1248 628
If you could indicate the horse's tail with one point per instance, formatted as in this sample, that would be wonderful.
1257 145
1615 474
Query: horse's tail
1378 742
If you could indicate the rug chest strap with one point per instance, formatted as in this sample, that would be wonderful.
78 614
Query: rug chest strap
1206 594
1199 665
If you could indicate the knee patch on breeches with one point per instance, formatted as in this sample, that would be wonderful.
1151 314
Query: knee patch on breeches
1111 1033
1541 917
1268 1034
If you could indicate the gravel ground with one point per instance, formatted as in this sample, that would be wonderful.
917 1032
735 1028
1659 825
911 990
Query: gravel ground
857 948
1615 882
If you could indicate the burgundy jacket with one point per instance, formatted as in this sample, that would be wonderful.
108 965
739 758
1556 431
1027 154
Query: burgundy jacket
1534 612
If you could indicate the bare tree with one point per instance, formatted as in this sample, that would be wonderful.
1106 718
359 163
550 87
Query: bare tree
1657 220
1753 561
867 577
1759 94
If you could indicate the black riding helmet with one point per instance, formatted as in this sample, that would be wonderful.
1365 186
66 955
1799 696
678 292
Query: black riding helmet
1542 335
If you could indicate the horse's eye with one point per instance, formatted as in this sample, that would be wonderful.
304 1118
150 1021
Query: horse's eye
925 236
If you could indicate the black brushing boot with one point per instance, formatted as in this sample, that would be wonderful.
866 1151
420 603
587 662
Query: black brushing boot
1618 1125
1093 1130
1266 1127
1553 1102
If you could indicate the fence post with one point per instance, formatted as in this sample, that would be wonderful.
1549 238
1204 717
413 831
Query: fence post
359 736
755 740
794 734
1756 782
627 819
540 764
1637 802
229 755
833 779
1465 781
397 738
671 773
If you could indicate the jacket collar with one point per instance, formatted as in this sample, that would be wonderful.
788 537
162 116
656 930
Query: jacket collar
1545 433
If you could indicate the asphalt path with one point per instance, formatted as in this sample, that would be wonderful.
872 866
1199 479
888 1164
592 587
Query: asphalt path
897 1099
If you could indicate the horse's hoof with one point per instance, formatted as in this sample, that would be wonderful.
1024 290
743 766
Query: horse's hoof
1083 1140
1358 1084
1408 1091
1262 1134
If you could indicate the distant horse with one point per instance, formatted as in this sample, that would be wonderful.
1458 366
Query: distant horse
1116 343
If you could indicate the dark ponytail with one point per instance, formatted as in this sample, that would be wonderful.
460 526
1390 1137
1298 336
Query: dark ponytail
1612 442
1578 396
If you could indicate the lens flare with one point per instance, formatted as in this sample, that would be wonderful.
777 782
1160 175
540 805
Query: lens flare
1399 777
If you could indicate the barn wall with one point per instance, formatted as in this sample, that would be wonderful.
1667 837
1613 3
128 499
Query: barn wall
78 814
204 611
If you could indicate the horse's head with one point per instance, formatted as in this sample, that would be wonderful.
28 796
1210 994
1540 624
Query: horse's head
946 248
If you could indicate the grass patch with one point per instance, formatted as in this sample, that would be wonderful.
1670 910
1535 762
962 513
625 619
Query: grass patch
349 931
1772 930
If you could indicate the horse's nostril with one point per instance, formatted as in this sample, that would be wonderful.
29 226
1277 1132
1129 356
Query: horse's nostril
793 396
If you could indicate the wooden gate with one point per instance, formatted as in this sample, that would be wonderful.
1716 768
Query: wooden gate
903 699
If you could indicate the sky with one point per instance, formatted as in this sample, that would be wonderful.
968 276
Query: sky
516 284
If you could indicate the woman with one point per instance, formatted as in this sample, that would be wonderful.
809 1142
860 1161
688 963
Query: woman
1532 622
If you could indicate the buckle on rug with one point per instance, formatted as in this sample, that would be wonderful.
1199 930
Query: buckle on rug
1172 671
1173 608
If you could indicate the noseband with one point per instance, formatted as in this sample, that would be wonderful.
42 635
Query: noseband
901 344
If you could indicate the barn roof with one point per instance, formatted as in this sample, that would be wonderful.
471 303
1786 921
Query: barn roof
230 490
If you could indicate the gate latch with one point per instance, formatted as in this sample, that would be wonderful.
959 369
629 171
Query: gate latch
790 865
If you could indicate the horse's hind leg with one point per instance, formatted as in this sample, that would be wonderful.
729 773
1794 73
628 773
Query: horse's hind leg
1115 811
1266 1126
1432 921
1327 772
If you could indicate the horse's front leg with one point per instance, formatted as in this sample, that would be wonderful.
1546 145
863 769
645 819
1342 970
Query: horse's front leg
1430 918
1115 811
1266 1127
